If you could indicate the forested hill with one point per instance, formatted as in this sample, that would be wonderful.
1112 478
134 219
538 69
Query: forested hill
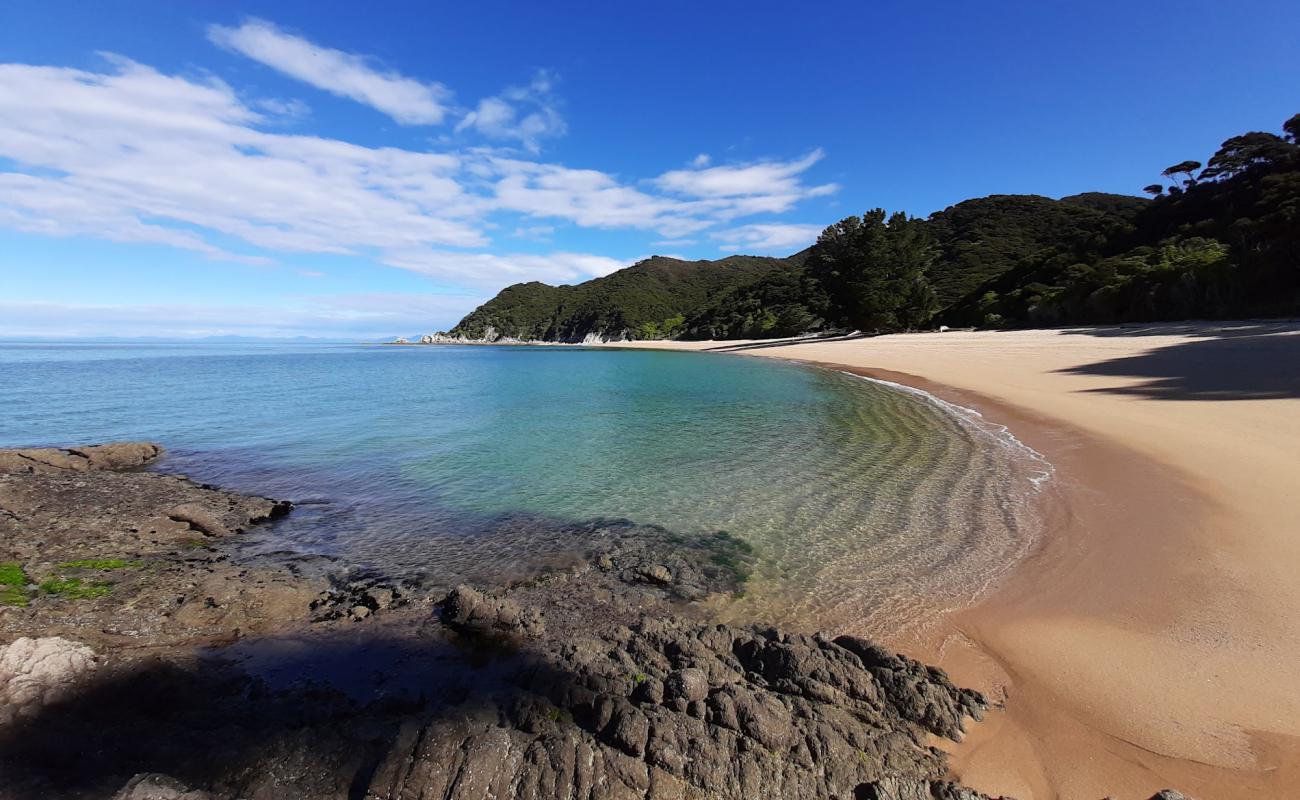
978 239
1215 240
645 301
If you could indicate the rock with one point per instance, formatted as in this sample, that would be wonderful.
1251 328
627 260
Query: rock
121 455
468 610
383 597
156 536
922 694
115 456
656 573
688 685
739 712
156 786
630 730
199 518
612 682
649 690
897 788
1169 794
36 672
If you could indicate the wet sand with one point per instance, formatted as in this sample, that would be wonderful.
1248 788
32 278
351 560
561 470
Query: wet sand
1153 639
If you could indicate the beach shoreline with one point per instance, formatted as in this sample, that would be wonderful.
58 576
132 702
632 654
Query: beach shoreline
1152 639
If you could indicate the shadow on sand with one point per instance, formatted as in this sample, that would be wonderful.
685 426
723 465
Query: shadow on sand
1229 361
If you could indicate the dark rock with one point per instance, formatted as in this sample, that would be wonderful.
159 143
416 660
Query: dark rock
468 610
900 788
666 706
629 730
1169 794
922 694
655 573
688 684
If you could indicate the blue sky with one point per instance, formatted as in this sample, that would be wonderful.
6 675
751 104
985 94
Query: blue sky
185 169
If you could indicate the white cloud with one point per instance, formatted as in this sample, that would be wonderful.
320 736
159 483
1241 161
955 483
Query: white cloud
762 186
406 100
526 114
133 155
702 160
766 237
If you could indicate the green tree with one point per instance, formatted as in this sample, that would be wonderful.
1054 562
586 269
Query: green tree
1245 152
1291 129
874 271
1182 168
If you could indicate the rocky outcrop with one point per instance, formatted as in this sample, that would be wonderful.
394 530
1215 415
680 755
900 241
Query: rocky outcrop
117 456
601 679
670 707
112 552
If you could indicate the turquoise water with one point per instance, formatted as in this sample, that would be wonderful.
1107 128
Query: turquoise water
868 506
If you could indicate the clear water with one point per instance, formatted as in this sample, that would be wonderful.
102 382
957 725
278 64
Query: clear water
869 507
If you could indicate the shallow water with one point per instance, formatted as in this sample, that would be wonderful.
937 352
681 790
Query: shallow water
869 507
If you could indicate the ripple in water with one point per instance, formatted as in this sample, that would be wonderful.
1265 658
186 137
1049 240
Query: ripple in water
870 505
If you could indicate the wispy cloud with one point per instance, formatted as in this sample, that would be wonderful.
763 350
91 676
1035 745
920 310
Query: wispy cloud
406 100
134 155
526 114
766 237
490 270
764 185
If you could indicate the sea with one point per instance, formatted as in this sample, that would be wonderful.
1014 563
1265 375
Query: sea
870 507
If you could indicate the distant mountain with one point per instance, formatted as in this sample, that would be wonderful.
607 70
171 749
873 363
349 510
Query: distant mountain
647 300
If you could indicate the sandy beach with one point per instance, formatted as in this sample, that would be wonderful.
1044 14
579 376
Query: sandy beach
1153 640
